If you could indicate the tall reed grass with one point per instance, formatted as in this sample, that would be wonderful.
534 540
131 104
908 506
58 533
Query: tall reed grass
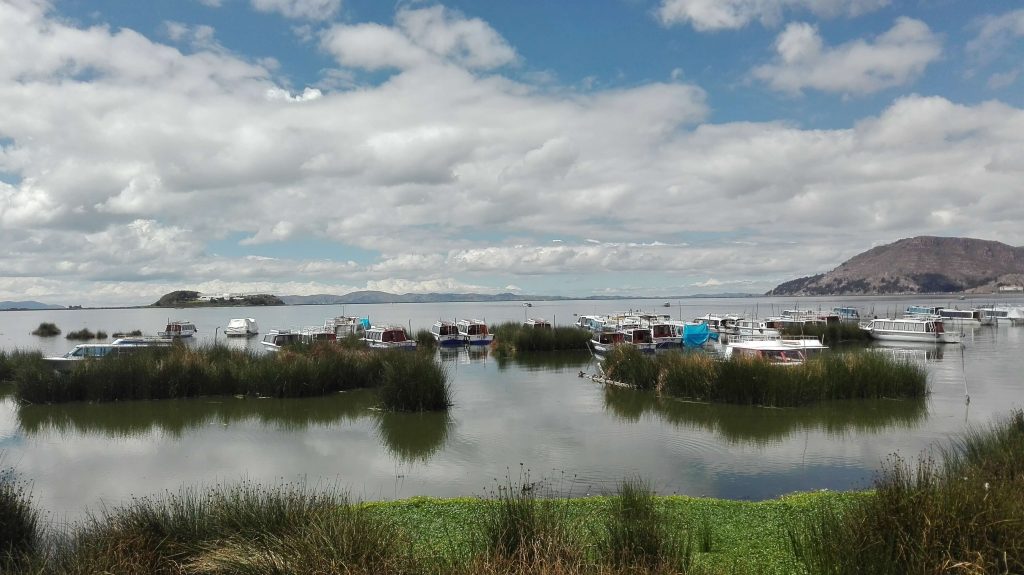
701 377
832 334
524 339
20 528
408 381
238 529
636 535
963 515
86 334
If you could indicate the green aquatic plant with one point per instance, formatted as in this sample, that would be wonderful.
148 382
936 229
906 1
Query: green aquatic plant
46 329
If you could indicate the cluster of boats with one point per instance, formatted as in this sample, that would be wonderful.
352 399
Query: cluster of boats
446 333
927 324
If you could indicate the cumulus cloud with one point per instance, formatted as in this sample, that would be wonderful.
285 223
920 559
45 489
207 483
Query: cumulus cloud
991 46
125 160
420 36
894 58
709 15
300 9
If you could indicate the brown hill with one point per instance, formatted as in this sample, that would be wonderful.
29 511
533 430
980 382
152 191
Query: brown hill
924 264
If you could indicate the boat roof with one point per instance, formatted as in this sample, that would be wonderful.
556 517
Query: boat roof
780 344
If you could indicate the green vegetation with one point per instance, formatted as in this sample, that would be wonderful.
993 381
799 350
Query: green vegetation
425 339
247 528
414 382
46 329
524 339
12 361
19 521
409 381
964 516
832 334
701 377
85 334
132 333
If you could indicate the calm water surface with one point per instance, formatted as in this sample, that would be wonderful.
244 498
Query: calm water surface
534 413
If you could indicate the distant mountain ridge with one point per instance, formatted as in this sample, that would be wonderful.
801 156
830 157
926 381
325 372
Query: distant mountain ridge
16 305
370 296
923 264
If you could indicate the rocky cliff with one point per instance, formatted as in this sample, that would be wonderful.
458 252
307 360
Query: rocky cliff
924 264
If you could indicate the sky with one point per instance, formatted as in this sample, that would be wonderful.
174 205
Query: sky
600 147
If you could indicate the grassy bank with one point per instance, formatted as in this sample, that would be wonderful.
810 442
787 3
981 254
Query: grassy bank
409 381
964 514
700 377
521 338
247 528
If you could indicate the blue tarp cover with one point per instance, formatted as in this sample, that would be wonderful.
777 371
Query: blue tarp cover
697 335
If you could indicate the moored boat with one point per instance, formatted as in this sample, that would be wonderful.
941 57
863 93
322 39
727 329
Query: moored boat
784 351
276 339
84 351
605 341
241 327
346 326
388 337
640 338
178 329
537 323
475 331
446 334
917 329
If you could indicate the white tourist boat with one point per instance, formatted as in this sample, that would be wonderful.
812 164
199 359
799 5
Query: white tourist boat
446 334
276 339
604 341
346 326
666 335
122 345
968 318
178 329
721 324
640 338
537 323
756 329
1004 315
847 313
475 331
916 329
241 327
782 351
388 337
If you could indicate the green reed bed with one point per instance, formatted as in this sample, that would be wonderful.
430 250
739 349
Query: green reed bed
425 339
523 338
12 361
701 377
965 515
20 527
46 329
832 334
184 371
86 334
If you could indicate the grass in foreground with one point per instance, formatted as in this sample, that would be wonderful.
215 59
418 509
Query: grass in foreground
19 521
291 529
965 515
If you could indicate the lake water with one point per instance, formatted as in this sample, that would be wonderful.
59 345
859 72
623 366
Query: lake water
531 414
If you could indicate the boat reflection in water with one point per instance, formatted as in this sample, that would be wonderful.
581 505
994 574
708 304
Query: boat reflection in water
914 350
763 426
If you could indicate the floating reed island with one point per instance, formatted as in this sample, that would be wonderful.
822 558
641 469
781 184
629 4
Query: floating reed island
406 381
695 376
511 337
831 334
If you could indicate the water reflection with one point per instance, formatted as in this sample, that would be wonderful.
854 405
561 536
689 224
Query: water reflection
546 360
464 354
915 350
412 437
762 426
176 417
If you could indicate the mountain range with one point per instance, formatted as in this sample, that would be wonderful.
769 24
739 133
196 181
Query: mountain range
15 305
923 264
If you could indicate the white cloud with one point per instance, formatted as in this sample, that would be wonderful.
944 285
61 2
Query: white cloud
995 33
894 58
707 15
127 159
300 9
421 36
